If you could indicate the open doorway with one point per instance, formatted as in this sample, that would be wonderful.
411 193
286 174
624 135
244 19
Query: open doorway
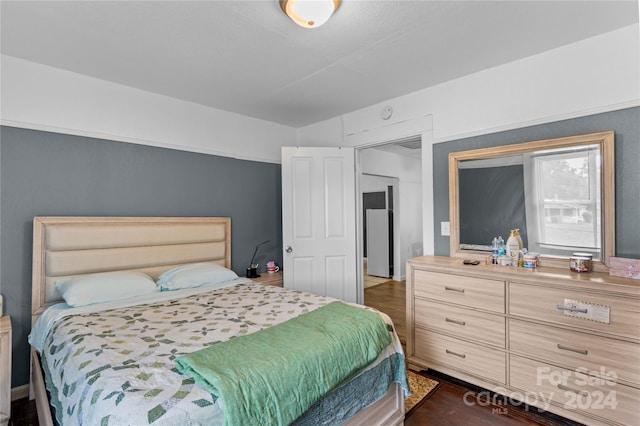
396 165
391 177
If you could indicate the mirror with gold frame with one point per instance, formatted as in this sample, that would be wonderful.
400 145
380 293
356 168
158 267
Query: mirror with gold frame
558 192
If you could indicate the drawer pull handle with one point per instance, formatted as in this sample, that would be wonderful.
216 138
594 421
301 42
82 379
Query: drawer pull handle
564 308
567 348
454 321
459 290
567 388
454 353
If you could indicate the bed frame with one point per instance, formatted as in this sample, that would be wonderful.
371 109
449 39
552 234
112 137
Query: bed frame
70 246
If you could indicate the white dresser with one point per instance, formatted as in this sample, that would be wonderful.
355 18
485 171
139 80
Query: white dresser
522 333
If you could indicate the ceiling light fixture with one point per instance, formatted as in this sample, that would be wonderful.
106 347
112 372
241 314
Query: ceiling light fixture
309 13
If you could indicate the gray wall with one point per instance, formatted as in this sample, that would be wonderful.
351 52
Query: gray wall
483 214
46 174
626 125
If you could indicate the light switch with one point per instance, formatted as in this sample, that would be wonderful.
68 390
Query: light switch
444 229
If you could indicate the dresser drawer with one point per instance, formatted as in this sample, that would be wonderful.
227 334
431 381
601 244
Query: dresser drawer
468 357
478 293
542 303
475 325
572 391
595 354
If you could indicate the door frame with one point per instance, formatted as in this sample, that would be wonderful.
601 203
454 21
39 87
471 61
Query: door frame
428 226
368 132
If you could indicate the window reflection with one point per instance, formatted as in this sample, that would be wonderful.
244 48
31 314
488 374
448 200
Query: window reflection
562 202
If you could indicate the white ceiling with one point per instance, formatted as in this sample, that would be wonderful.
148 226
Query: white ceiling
248 57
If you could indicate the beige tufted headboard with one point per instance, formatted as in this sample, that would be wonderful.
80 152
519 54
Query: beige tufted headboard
68 246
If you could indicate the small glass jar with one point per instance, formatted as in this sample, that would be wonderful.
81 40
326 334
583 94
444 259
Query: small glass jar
588 256
579 264
530 261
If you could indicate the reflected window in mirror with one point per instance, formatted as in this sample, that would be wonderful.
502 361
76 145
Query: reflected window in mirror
563 201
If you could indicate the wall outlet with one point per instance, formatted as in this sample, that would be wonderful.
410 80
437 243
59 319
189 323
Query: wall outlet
444 229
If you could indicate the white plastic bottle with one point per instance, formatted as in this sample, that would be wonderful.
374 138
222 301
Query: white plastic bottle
514 244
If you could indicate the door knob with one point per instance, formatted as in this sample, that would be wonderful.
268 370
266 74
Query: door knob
288 249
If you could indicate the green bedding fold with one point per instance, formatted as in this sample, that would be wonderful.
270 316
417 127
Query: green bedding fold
273 376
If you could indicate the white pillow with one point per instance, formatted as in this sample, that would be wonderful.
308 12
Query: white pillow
195 275
104 287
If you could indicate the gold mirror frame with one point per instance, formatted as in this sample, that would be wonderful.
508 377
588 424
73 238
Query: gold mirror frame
605 140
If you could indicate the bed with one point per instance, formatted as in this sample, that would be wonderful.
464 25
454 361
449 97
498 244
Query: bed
109 377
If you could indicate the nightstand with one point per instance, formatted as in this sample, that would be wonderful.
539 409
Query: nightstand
5 370
274 279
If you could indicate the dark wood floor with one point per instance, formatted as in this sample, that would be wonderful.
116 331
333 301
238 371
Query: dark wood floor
446 406
23 413
389 298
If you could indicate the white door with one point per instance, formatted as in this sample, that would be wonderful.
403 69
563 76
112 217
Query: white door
378 242
319 221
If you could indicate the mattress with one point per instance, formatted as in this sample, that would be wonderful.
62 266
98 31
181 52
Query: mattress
113 363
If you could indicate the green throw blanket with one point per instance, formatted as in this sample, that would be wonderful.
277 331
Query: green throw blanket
273 376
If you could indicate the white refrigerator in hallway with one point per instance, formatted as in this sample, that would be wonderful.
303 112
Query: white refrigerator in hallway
379 242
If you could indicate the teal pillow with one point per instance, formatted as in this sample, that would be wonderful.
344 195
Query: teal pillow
104 287
195 275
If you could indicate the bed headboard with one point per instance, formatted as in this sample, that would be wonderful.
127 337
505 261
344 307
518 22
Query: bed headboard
69 246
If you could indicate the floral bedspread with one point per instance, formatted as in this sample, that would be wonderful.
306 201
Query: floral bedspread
117 366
